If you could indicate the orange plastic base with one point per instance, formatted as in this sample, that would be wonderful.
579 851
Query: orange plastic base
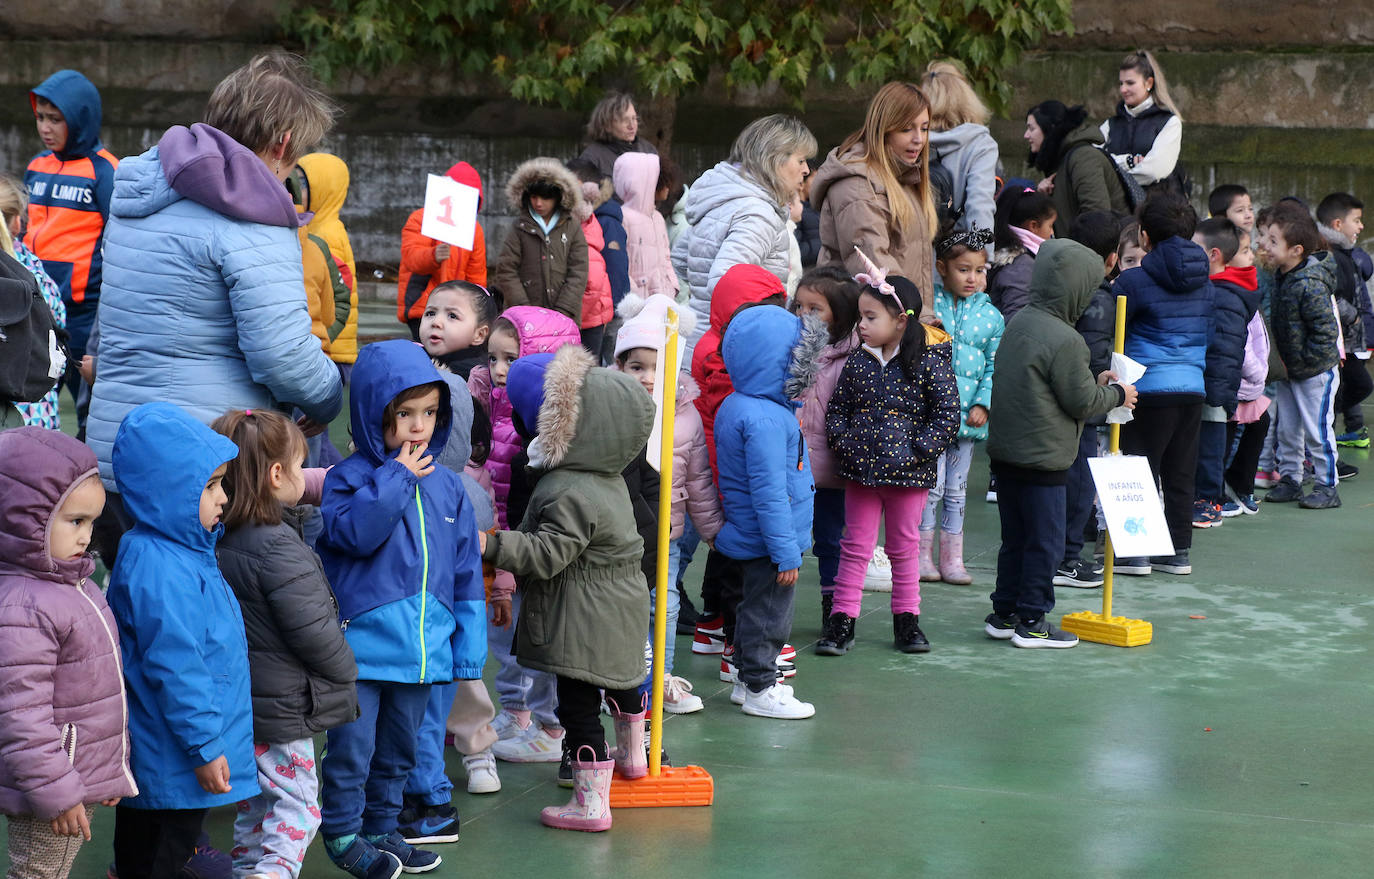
676 786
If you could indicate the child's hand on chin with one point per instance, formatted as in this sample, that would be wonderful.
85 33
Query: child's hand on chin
214 776
412 457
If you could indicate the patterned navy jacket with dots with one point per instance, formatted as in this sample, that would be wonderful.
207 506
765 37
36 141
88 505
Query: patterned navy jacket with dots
976 325
888 429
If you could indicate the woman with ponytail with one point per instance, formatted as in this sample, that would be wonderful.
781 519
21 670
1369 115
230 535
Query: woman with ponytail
1145 133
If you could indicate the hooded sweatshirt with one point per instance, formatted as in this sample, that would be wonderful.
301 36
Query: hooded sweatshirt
401 551
181 631
65 737
327 177
69 199
765 473
651 265
970 155
1042 388
203 303
421 272
1169 320
740 285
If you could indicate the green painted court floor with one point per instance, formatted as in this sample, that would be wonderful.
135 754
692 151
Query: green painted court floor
1232 746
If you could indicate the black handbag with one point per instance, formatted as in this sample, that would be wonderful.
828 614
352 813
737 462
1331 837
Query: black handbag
31 358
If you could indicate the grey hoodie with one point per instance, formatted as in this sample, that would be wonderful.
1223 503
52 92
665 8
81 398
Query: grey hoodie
970 155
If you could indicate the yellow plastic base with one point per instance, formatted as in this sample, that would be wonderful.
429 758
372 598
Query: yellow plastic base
675 786
1116 631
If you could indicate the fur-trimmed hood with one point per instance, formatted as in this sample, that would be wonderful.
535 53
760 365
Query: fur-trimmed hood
772 353
546 170
592 419
1334 238
1005 256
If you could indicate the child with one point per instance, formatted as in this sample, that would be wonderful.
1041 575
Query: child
1247 429
893 415
830 295
181 640
967 314
399 546
454 326
426 263
637 348
585 612
1129 253
1340 219
597 299
301 667
765 487
543 261
1232 201
1169 322
1236 300
524 695
1042 391
14 201
326 188
610 217
1306 335
651 268
1025 220
60 677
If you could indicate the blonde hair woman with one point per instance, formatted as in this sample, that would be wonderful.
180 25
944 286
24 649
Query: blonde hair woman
1146 132
873 192
737 211
960 141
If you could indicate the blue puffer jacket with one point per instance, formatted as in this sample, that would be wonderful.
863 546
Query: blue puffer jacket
1169 319
976 327
203 300
765 473
1236 300
401 552
180 628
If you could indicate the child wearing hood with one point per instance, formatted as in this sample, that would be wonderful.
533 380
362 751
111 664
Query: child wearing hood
181 639
399 547
426 263
585 612
53 618
766 493
651 265
543 261
326 189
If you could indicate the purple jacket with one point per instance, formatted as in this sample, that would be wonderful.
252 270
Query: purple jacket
539 330
814 401
1255 370
64 738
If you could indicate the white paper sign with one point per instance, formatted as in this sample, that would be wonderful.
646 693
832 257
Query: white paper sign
1130 503
656 438
1128 372
450 212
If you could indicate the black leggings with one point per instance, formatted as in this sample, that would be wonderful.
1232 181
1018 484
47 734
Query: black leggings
154 843
1241 474
579 710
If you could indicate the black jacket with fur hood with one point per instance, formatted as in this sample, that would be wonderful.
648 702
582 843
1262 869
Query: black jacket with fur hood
537 268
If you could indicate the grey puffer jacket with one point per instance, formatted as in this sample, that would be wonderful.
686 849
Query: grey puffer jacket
302 668
732 219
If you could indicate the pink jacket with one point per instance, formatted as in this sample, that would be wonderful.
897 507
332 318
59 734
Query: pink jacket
650 255
597 308
814 401
539 330
64 738
694 488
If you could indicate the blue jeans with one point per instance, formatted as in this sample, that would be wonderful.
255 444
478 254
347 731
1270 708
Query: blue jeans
674 605
686 546
519 688
827 527
366 762
951 487
1211 461
428 780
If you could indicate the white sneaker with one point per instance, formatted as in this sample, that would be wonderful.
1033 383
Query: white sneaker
481 770
777 702
505 725
737 693
531 745
677 696
878 577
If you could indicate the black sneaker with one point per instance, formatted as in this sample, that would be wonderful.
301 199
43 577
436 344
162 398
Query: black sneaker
907 635
1000 628
1323 497
206 862
565 770
1346 471
434 824
827 605
1285 491
1042 634
1136 567
1079 574
1172 564
686 614
413 860
365 861
838 636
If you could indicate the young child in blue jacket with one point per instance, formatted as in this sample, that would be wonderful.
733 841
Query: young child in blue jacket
181 640
766 492
400 549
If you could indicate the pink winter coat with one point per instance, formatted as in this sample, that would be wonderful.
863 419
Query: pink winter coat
597 307
694 488
814 401
64 736
539 330
651 265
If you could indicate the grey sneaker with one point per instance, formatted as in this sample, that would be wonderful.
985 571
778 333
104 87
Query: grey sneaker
1177 563
1323 497
1079 574
1284 492
1001 628
1042 634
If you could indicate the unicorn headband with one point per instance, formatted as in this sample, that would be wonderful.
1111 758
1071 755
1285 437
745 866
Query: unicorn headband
877 279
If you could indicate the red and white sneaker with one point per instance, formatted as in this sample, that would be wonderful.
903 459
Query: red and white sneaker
729 672
787 661
709 639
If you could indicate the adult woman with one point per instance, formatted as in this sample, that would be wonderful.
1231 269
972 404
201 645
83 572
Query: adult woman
873 192
203 300
737 211
959 140
1145 134
1079 176
613 131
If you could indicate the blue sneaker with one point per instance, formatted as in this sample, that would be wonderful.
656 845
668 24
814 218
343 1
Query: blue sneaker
413 860
431 824
363 860
1355 439
1238 505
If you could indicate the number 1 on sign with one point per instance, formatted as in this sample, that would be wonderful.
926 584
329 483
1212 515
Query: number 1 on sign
447 216
450 212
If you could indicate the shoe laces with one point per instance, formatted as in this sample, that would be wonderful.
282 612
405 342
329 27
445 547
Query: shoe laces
674 687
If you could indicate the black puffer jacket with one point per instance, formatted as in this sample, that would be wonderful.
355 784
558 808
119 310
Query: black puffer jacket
1233 306
302 668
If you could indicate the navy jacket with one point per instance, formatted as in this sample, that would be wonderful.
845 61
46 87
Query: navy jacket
1236 301
1169 317
616 253
402 552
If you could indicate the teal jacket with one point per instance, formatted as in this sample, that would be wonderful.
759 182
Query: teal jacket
976 325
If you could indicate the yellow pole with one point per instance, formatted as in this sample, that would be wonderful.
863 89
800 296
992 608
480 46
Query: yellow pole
1113 447
665 524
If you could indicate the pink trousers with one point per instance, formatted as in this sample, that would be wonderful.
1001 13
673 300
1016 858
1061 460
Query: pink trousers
900 510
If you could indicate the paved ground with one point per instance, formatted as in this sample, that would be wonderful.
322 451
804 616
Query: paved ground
1233 746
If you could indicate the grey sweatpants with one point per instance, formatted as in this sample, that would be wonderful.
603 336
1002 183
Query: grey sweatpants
762 623
1303 416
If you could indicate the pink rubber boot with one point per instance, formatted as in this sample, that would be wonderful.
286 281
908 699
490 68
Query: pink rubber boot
590 806
929 572
952 559
628 755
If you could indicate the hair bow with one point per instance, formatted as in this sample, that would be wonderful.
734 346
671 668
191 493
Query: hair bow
876 278
973 239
